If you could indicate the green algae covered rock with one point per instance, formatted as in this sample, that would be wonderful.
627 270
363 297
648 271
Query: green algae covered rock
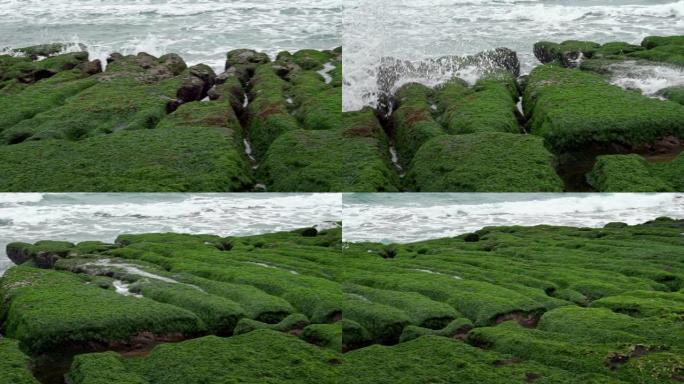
437 359
102 368
155 160
658 41
14 364
414 123
366 163
331 160
626 173
591 324
304 161
484 162
675 94
572 109
489 107
566 53
457 328
324 335
45 310
260 356
631 173
292 323
79 114
269 116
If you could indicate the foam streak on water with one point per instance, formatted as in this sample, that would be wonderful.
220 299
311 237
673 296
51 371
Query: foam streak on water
415 30
404 218
198 30
80 217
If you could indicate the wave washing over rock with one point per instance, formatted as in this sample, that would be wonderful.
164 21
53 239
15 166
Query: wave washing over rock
150 123
199 30
83 217
416 217
591 117
418 30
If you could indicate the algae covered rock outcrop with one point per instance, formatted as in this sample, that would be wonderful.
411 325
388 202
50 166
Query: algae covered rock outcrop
503 304
266 305
542 131
519 305
157 124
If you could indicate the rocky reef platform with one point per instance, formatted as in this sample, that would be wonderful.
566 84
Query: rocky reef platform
173 308
567 126
518 305
539 304
154 124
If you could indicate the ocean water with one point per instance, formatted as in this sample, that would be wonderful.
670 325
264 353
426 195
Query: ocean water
414 30
79 217
403 218
199 30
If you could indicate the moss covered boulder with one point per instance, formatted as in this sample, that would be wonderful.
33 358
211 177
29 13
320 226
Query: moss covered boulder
259 356
631 173
140 126
14 365
484 162
573 109
532 304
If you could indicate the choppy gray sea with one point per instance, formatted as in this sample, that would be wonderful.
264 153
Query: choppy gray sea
414 30
78 217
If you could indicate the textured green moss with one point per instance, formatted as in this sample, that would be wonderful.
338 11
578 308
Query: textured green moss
304 161
675 94
324 335
456 328
421 310
14 365
548 304
626 173
45 310
489 107
366 166
102 368
46 94
484 162
268 113
295 322
631 173
173 159
262 356
433 359
413 120
657 41
572 109
672 54
219 314
127 96
331 160
383 323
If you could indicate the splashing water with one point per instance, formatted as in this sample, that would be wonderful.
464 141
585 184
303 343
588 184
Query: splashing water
647 78
403 218
201 31
325 72
418 30
30 217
